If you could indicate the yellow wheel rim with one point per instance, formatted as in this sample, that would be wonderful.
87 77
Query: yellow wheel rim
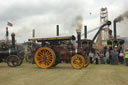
86 61
77 61
44 57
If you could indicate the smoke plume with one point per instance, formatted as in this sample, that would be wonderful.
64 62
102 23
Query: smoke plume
78 23
121 17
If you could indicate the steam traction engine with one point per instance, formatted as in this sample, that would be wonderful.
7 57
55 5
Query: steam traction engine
56 50
64 49
11 54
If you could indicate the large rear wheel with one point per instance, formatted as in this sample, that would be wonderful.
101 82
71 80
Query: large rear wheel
44 57
77 61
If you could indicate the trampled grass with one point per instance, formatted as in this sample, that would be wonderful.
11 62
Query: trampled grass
64 74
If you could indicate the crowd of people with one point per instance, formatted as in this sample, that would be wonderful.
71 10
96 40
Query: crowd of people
114 57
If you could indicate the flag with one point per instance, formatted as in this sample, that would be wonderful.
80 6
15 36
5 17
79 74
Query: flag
10 24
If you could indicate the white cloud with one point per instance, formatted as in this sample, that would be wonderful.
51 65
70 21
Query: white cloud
43 15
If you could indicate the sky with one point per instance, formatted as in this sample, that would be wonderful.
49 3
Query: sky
44 15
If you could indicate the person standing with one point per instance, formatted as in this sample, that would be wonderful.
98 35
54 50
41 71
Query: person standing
126 58
91 55
107 57
116 54
96 57
102 57
111 55
121 57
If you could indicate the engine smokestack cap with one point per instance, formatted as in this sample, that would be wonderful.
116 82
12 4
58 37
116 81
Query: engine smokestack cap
108 23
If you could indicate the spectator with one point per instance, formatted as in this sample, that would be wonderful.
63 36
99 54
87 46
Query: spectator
126 57
96 57
107 57
102 57
121 57
115 57
111 54
91 55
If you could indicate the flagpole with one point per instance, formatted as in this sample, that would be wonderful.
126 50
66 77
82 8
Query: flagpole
7 33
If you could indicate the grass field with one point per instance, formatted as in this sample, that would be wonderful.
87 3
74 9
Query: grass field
64 74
